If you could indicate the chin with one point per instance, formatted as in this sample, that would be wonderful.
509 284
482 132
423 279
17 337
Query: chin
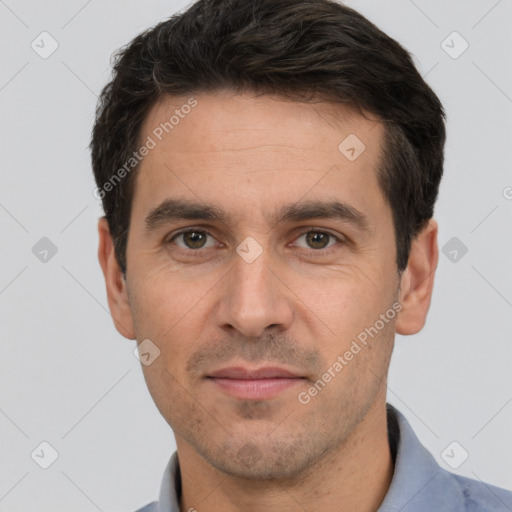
262 461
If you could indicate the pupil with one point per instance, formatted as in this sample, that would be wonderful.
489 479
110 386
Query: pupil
314 238
197 239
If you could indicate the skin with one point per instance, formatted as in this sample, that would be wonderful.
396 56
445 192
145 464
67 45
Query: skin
297 306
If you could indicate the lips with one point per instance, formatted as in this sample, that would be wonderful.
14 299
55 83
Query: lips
257 384
260 373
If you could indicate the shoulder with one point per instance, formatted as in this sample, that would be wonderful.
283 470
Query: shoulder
482 497
150 507
421 484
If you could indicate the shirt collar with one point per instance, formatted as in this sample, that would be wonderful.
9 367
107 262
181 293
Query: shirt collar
418 483
171 485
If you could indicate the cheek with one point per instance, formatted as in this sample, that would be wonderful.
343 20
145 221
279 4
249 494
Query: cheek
167 390
345 300
172 314
162 300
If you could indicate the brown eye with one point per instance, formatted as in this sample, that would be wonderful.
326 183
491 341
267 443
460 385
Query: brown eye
193 239
317 240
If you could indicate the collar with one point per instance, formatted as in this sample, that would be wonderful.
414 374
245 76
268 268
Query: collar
418 483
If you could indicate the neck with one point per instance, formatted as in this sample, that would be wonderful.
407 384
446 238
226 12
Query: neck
355 476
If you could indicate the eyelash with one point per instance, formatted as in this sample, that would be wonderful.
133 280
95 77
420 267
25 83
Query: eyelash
199 252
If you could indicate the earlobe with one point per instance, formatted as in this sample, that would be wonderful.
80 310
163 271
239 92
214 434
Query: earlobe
117 294
417 281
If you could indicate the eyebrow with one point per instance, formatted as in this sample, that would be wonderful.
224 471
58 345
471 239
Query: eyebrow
179 209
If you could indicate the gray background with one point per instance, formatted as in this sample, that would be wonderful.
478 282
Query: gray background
68 378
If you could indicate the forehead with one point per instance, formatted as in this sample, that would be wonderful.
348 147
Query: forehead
224 117
264 148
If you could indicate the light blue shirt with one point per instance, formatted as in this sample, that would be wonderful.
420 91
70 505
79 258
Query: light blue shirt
419 484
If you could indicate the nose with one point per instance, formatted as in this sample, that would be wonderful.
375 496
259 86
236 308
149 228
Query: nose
254 297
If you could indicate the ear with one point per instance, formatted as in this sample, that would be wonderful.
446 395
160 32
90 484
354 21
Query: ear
417 281
117 293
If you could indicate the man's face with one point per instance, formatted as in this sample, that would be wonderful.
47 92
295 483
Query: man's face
252 291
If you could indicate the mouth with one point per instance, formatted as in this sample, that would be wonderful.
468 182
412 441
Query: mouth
255 384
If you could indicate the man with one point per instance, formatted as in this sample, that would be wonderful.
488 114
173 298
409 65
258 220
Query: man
268 171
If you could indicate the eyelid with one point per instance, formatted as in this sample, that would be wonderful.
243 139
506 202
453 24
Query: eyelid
315 229
171 237
339 239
